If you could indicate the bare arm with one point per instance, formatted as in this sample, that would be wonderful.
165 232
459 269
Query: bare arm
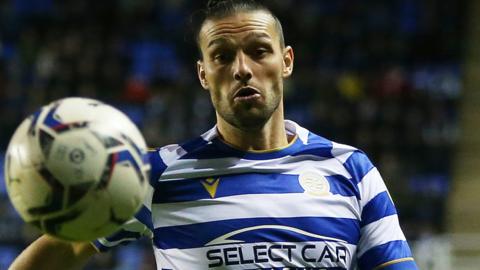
49 253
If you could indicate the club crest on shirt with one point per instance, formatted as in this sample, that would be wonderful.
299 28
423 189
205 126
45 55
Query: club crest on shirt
314 183
211 184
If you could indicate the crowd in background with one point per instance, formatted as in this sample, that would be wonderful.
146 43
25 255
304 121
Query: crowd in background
384 76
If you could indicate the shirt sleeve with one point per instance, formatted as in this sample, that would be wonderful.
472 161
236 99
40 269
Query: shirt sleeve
382 244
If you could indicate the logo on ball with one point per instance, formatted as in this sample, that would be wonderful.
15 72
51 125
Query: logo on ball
77 156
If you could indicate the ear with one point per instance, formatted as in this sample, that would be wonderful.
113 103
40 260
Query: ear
288 58
201 74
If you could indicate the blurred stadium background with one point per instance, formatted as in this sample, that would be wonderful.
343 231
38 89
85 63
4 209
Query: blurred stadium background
394 78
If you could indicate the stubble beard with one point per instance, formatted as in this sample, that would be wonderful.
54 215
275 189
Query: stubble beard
249 117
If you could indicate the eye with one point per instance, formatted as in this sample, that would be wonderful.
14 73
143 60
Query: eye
222 57
219 57
260 52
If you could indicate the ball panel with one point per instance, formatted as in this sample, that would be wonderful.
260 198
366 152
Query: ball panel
76 157
25 186
37 189
33 122
54 225
76 192
72 110
124 191
54 199
92 222
46 142
106 140
126 130
107 172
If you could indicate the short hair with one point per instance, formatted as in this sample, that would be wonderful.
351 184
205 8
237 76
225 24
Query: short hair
218 9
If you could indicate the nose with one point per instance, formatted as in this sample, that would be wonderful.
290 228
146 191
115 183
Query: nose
241 68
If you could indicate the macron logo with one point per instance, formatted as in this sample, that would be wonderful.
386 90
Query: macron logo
211 184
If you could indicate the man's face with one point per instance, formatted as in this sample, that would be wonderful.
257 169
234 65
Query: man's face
243 67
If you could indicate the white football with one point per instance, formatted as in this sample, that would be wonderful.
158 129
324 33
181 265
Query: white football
77 169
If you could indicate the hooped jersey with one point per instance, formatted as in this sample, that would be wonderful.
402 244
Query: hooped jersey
314 204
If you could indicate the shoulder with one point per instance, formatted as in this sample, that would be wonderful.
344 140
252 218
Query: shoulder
163 157
354 160
173 152
331 148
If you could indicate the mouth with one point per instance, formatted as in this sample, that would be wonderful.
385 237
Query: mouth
246 93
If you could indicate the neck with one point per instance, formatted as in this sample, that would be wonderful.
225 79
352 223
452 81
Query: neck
270 136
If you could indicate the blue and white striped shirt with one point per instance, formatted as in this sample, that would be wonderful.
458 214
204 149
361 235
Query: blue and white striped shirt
314 204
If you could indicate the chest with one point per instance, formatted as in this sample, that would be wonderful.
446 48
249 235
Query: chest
258 219
277 206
